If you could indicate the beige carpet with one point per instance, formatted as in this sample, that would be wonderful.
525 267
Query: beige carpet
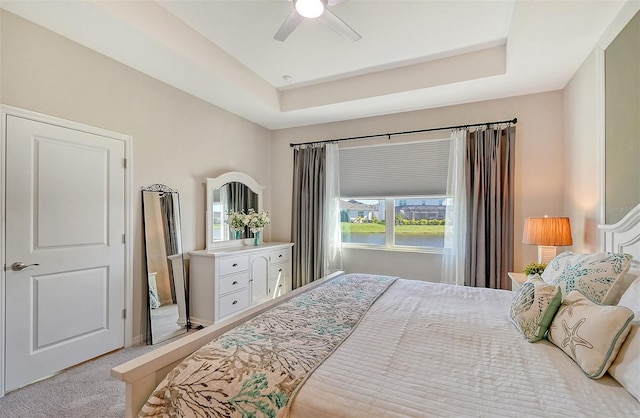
84 391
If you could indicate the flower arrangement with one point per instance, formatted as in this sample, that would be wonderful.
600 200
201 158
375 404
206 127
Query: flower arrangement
257 221
237 220
533 268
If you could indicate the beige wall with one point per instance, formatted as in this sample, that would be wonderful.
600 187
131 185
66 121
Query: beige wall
539 169
583 165
622 122
584 112
178 140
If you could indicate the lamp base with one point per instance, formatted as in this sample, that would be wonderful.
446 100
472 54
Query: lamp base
546 253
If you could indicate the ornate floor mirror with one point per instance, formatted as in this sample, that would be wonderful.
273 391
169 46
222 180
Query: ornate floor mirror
167 307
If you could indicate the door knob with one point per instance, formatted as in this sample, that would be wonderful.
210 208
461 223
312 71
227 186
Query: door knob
19 266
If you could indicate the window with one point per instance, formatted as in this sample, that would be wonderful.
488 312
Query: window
394 195
415 222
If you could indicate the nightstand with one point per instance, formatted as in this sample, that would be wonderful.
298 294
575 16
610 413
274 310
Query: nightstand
517 280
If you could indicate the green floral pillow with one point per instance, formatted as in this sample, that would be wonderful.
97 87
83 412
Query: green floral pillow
534 306
594 275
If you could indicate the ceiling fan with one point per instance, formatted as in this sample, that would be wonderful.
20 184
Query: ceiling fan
316 9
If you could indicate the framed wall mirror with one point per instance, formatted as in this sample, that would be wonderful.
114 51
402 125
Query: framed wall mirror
167 307
230 192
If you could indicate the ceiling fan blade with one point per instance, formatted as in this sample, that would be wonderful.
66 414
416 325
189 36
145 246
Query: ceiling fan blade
339 26
288 26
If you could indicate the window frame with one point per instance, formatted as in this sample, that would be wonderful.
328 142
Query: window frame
390 227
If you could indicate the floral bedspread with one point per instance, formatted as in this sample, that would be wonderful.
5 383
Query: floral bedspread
255 369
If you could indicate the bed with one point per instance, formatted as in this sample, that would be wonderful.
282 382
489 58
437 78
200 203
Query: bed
384 346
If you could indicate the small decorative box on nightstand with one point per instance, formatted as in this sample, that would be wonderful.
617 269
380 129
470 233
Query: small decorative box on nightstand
517 280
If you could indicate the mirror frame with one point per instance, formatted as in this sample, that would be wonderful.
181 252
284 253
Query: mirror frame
216 183
150 338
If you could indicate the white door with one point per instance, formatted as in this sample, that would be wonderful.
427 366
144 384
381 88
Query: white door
259 277
65 217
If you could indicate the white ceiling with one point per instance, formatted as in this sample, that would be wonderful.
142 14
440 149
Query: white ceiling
412 55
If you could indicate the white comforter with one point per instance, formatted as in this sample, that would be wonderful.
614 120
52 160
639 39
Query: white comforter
427 350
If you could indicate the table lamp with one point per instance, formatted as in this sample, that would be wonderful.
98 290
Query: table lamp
547 233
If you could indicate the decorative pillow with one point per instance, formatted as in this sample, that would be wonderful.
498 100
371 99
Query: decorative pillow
589 333
618 289
534 306
626 366
595 275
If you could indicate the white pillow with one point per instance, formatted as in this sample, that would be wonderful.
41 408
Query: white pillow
594 275
626 366
619 288
589 333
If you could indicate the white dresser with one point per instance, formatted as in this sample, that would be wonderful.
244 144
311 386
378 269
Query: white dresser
225 281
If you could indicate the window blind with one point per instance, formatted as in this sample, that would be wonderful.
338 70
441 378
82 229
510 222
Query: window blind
409 169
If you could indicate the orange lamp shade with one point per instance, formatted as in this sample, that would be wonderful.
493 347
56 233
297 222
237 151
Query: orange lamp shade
547 231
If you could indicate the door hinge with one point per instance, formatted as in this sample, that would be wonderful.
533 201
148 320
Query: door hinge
124 238
124 314
124 162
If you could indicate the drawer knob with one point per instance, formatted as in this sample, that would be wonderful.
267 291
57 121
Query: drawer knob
280 256
280 271
280 285
235 282
235 265
234 302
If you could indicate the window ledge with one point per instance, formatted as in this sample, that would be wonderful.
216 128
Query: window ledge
400 249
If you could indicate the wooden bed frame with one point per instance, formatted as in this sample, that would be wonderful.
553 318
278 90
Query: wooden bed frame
144 373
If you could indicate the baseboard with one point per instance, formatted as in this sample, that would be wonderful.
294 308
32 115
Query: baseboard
199 322
138 340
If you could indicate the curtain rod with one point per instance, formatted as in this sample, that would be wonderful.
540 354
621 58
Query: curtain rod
389 135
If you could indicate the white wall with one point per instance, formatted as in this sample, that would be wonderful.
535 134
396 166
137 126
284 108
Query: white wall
408 265
539 169
178 140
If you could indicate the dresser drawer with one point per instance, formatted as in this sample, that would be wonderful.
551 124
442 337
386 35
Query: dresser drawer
284 285
233 265
276 287
233 282
277 269
279 256
233 302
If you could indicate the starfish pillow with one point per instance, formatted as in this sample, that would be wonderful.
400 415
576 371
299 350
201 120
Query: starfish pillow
589 333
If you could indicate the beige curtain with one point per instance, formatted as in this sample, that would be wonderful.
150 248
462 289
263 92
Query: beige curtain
489 183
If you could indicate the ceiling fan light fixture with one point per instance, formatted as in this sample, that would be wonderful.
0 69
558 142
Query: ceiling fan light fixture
309 8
